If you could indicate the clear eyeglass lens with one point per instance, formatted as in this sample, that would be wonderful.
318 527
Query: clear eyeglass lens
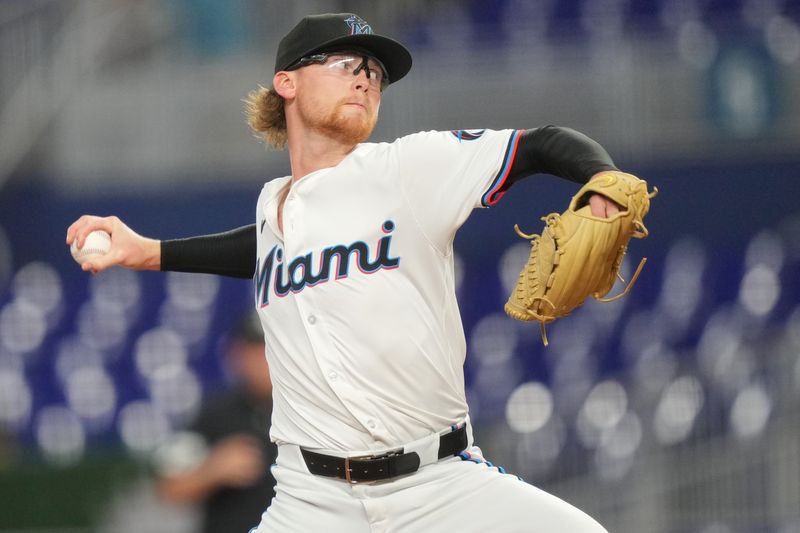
350 63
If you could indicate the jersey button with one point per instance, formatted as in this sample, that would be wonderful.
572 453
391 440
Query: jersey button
311 319
332 375
371 424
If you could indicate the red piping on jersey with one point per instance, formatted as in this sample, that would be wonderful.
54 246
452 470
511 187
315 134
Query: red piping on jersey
492 196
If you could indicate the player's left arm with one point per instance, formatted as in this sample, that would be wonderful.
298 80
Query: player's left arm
565 153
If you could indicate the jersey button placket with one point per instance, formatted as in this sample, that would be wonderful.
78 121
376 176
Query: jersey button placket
302 299
289 208
328 360
325 354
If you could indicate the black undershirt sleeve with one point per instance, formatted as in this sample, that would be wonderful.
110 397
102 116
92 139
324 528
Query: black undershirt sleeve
231 253
559 151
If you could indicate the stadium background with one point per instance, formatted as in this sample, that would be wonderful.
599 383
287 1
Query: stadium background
674 410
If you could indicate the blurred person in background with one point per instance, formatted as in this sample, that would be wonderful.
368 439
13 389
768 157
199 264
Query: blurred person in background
366 353
9 448
221 461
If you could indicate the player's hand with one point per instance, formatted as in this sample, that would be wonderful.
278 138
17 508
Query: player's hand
128 248
602 206
236 461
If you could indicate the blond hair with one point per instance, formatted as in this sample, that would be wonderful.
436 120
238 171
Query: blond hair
266 116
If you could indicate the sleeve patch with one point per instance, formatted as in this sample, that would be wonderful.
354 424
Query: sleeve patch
467 135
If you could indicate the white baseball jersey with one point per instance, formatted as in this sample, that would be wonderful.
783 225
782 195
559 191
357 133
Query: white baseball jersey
356 295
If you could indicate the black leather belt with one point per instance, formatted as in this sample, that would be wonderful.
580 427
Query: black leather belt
383 466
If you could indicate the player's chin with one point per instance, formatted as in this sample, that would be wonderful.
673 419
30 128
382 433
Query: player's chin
357 115
354 128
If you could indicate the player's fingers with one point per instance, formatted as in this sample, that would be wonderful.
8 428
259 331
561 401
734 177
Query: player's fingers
92 223
612 207
597 206
602 206
84 225
98 263
92 266
87 266
73 228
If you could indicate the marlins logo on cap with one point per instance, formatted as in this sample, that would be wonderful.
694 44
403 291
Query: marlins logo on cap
358 26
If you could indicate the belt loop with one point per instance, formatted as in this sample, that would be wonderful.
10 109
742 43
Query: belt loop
468 425
347 470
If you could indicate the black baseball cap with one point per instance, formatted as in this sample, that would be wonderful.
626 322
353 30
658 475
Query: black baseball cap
332 31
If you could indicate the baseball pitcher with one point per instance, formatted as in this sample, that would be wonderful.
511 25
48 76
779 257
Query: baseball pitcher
352 262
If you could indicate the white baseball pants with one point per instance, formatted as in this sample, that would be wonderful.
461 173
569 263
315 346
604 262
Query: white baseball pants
453 495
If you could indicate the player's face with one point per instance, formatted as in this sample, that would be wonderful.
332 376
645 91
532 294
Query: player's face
337 103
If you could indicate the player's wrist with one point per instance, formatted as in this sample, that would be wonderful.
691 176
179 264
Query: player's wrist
152 254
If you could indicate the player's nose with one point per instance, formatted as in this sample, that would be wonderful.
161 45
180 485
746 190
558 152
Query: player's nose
361 82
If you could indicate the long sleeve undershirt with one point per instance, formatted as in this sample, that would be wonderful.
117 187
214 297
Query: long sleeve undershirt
231 253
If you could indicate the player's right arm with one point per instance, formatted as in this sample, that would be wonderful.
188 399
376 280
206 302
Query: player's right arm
231 253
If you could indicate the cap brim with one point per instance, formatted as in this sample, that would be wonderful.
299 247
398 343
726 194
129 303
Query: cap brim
394 56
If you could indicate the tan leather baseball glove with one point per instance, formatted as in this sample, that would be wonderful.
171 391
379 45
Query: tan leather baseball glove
579 255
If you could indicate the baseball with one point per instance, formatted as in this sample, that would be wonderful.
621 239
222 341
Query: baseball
97 242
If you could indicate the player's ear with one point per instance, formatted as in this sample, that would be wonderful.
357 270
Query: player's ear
284 84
